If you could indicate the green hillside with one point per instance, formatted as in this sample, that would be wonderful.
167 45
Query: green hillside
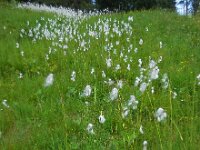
98 82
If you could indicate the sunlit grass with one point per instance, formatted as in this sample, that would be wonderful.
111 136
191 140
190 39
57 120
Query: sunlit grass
57 116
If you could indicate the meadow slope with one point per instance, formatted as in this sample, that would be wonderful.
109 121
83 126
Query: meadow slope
115 81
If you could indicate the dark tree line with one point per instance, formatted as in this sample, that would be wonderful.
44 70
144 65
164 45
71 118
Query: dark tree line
122 5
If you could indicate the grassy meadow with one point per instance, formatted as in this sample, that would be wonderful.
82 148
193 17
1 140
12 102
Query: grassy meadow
97 82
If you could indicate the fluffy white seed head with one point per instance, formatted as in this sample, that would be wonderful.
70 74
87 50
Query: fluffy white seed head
114 94
49 80
160 114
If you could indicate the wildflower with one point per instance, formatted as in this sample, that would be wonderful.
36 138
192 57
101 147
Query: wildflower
165 81
152 90
17 45
20 75
145 143
108 62
147 29
161 45
103 74
73 76
141 129
174 95
198 78
49 80
160 114
22 53
92 71
130 18
120 84
102 119
87 91
125 112
4 102
152 64
141 41
90 128
114 94
128 67
133 102
117 67
117 42
137 81
136 50
140 63
154 73
143 87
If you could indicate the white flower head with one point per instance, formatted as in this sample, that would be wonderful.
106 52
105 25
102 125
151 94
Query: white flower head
117 67
49 80
161 45
128 67
145 143
143 87
22 53
120 84
141 129
130 18
17 45
198 78
108 62
92 71
152 64
125 112
90 128
152 90
20 75
133 102
141 41
174 95
102 119
73 76
154 73
87 91
114 94
160 114
165 81
103 74
4 102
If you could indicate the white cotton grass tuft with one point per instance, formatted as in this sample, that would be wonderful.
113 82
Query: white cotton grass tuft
87 91
141 41
143 87
145 143
133 102
154 73
165 81
114 94
120 84
4 102
141 129
160 114
73 76
90 128
102 119
20 75
161 44
125 112
49 80
108 62
198 79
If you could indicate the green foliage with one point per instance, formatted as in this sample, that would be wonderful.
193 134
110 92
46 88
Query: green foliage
56 117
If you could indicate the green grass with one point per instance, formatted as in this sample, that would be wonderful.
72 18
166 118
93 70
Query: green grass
56 117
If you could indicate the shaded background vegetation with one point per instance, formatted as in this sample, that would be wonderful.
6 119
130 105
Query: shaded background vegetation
122 5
